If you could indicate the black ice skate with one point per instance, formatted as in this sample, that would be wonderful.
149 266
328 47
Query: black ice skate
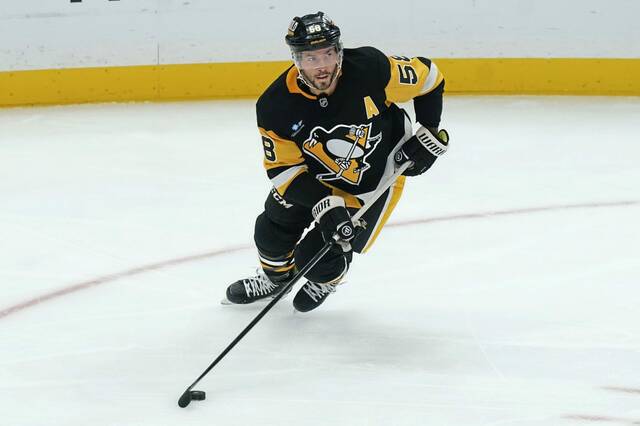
255 288
311 295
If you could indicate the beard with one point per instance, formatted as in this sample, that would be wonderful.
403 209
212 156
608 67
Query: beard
325 82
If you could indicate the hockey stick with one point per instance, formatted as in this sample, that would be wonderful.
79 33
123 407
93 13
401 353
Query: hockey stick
348 157
190 394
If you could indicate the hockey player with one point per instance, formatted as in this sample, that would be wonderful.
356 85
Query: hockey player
331 133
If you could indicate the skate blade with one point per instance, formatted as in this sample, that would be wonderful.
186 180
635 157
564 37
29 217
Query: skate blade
227 302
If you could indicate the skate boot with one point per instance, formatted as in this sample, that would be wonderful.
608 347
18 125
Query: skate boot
311 295
257 287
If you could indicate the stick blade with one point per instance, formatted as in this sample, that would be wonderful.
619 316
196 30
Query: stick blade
185 399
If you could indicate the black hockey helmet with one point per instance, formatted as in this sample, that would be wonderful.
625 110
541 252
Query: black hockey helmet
313 31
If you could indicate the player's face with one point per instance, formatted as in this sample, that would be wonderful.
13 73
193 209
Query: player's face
319 66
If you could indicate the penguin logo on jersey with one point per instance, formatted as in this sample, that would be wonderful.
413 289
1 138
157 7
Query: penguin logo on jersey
342 150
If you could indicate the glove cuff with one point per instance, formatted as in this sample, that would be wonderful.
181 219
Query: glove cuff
326 204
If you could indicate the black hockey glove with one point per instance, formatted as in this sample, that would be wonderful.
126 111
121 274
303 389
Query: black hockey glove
423 149
332 217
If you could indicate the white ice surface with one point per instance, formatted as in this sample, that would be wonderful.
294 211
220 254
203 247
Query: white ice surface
523 318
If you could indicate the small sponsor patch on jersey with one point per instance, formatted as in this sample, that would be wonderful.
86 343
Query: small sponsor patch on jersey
296 128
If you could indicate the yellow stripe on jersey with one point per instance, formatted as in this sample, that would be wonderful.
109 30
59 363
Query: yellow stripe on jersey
278 151
410 77
351 201
281 153
283 180
392 201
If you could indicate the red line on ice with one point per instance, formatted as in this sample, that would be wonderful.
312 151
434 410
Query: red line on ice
622 389
513 212
113 277
606 419
173 262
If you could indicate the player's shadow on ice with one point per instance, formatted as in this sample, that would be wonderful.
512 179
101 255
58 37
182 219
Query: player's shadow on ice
350 339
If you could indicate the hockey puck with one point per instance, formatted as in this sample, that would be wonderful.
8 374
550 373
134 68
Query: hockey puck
198 395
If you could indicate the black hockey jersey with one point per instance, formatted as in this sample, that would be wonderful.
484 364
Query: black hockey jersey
318 145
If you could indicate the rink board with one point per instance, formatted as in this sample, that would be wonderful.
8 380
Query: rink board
570 76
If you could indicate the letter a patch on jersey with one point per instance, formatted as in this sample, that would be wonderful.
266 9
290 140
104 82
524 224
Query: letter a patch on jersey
342 150
370 107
